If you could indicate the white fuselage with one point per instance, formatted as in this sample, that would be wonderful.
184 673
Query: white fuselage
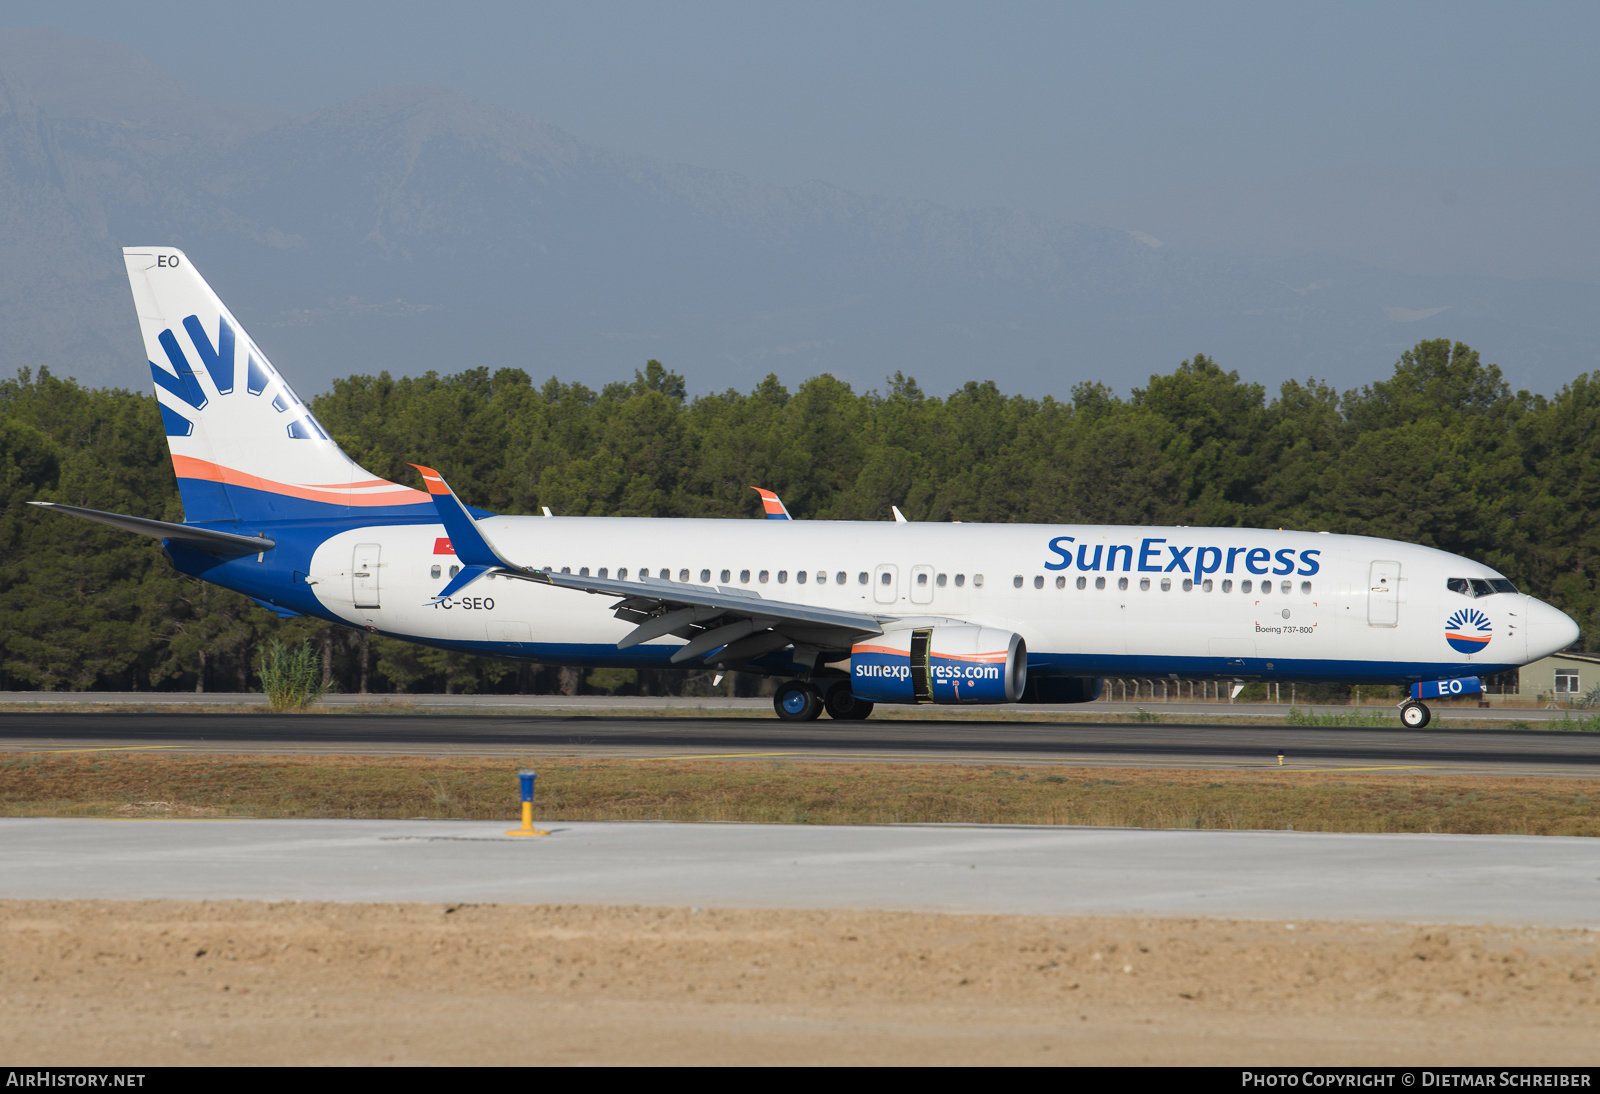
1188 601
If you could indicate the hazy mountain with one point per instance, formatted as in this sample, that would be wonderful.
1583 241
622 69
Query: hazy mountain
415 228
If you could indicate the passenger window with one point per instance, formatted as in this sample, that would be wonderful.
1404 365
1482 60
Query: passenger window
1188 585
1083 582
1100 582
1286 587
783 577
1481 587
838 578
1166 584
1038 582
1458 585
1266 588
762 577
977 581
705 577
1016 582
683 575
861 578
886 579
1244 586
434 572
1122 584
744 576
666 574
603 571
564 569
922 579
454 570
1206 585
583 571
725 576
1144 584
800 577
822 577
941 580
1227 585
622 573
961 579
1305 587
1061 582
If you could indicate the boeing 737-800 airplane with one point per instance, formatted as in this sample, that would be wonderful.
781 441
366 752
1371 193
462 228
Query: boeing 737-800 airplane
851 613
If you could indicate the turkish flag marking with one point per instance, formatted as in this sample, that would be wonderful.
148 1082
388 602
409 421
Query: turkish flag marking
442 547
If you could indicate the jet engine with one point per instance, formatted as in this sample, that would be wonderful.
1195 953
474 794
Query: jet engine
954 664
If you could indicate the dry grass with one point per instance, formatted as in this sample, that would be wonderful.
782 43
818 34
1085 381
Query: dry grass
147 784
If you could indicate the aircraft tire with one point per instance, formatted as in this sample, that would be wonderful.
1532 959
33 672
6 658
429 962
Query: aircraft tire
797 701
842 705
1415 716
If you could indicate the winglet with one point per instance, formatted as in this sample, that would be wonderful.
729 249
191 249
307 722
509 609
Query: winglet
773 504
471 546
899 517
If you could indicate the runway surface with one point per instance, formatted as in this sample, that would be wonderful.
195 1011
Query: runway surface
1538 880
1165 744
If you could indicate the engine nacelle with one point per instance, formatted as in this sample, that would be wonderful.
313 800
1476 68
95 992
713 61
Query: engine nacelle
955 664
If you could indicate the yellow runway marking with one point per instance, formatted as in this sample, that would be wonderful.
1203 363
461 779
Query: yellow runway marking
1390 767
722 756
112 748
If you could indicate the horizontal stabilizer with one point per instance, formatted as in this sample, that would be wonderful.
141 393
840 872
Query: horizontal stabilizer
466 577
204 539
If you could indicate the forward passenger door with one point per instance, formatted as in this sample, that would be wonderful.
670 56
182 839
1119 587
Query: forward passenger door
1383 595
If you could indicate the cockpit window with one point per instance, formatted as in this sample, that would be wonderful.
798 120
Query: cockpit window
1477 586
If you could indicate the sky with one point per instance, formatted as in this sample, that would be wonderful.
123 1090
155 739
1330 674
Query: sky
1051 107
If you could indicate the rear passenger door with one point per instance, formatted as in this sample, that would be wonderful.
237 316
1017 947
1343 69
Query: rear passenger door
364 575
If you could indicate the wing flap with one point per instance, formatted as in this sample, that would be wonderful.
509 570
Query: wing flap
721 624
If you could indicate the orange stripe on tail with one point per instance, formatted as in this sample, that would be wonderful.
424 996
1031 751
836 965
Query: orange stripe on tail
187 467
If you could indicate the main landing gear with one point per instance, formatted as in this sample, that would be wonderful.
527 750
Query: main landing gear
1415 715
799 701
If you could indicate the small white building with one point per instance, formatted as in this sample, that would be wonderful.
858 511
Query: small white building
1560 678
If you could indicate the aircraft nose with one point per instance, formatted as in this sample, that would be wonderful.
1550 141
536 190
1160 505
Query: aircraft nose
1549 629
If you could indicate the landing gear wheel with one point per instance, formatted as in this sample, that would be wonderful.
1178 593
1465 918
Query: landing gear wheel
797 701
1415 715
841 704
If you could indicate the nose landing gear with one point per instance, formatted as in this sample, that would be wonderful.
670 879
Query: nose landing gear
1415 715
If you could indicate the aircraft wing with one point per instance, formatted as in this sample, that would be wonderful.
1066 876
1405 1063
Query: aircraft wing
722 625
